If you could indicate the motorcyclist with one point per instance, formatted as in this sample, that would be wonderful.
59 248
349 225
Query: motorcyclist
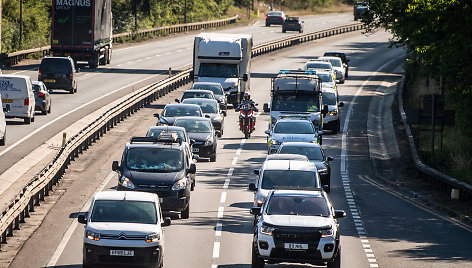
246 101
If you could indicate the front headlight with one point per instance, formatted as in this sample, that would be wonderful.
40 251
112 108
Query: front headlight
267 229
333 112
92 235
180 184
327 232
208 142
323 171
274 142
153 238
127 183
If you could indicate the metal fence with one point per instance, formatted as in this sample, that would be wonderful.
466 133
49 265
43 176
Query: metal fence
17 210
16 57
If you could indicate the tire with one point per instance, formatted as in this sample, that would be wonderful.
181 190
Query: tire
27 120
246 135
109 51
3 141
337 260
192 187
256 262
44 111
49 109
335 129
267 24
213 157
94 61
347 74
186 213
71 91
103 60
284 31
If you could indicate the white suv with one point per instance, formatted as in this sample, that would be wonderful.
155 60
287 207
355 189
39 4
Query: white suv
299 227
122 228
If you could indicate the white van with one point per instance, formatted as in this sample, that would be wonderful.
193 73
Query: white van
17 97
3 124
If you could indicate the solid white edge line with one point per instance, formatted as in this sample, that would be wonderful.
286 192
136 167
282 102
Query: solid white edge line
70 231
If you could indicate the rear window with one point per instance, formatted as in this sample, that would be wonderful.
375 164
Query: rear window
288 178
275 14
173 111
217 90
55 66
317 65
202 95
124 211
292 19
294 128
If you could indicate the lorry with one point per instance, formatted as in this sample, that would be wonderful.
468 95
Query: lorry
82 29
224 59
296 93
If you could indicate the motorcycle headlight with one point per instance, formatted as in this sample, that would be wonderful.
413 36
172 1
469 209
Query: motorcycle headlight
127 183
267 229
153 238
92 235
180 184
327 232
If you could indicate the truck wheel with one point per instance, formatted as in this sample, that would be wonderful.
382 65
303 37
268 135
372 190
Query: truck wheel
93 63
109 51
103 60
186 213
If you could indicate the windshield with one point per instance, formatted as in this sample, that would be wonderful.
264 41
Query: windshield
325 78
317 65
124 211
194 126
288 178
201 95
173 111
313 153
336 62
302 127
295 103
329 98
298 205
218 70
147 159
157 133
217 90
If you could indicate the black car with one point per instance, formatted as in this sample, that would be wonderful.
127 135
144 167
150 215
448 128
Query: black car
172 111
212 109
292 24
315 154
58 73
275 17
159 165
42 99
202 131
343 57
360 9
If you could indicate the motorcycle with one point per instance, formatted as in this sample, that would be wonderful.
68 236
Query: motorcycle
247 119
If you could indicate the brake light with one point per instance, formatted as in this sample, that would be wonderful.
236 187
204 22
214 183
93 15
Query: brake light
39 74
26 102
267 17
71 75
41 94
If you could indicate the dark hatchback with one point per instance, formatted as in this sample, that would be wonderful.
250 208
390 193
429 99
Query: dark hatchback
343 57
158 165
42 98
275 17
315 154
173 111
292 24
201 130
58 73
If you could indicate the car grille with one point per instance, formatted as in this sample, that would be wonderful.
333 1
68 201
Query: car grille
155 187
305 235
122 237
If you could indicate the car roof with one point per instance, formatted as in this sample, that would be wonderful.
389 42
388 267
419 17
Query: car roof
198 100
300 157
301 144
182 105
289 165
125 195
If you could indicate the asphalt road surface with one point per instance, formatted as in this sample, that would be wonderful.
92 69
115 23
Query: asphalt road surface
382 227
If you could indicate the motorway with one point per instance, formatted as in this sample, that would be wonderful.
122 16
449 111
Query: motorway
383 228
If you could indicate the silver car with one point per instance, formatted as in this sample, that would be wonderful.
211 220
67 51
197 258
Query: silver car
332 120
217 90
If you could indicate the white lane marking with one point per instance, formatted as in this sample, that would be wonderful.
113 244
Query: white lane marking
220 214
65 239
344 172
73 111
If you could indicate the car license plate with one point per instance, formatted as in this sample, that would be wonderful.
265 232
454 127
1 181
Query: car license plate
50 80
195 150
120 252
7 101
294 246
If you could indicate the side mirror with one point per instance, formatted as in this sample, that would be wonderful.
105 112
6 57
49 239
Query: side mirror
156 115
81 219
256 211
341 104
256 172
320 132
192 169
166 222
339 214
267 132
115 166
192 75
218 133
266 107
224 113
330 158
252 187
245 77
192 141
207 116
177 100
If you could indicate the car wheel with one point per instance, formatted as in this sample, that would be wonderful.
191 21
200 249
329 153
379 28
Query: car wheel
3 141
337 260
267 24
284 31
256 261
347 74
186 213
44 111
75 89
192 187
335 127
49 109
213 157
32 119
27 120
